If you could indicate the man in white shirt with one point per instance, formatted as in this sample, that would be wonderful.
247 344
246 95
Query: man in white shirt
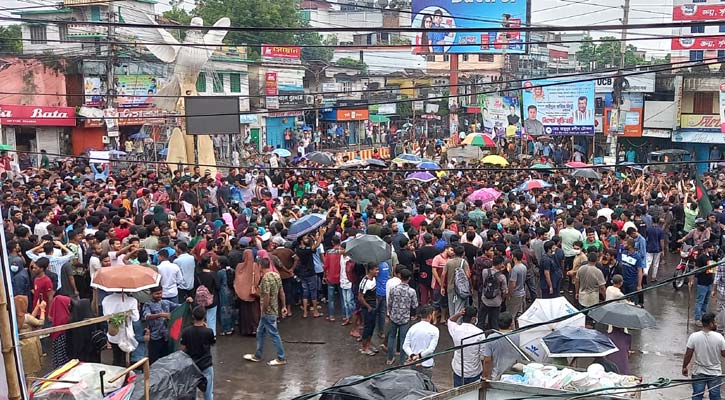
707 347
171 277
41 228
393 282
118 303
421 341
468 333
187 264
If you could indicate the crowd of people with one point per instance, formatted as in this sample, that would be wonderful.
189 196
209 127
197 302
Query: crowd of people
219 241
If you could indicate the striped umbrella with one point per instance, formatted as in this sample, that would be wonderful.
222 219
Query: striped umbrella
479 140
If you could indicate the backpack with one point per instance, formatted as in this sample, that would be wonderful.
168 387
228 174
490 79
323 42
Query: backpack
203 296
461 284
491 285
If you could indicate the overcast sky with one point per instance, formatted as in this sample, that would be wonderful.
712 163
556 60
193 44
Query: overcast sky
544 12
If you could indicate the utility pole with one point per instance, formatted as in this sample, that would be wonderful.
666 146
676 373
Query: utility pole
110 65
619 84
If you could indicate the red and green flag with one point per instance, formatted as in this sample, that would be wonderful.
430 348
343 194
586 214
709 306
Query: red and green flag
703 199
180 318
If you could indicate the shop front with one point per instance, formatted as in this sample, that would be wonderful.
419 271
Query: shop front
277 124
351 121
699 143
94 134
34 128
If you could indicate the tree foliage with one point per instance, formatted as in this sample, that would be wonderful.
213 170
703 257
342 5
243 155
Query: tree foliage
606 54
352 63
10 39
179 14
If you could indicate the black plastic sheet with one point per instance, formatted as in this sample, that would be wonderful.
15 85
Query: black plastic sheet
174 377
401 384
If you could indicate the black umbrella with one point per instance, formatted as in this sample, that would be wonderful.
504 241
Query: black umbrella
623 315
321 158
376 163
368 249
586 173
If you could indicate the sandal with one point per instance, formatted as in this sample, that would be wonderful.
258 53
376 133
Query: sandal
251 357
345 322
368 353
276 362
318 315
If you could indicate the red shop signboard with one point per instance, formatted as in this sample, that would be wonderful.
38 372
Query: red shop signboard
37 115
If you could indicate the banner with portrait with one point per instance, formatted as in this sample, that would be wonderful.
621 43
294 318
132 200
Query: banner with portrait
554 107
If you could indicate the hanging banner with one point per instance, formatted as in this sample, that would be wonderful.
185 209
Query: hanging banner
698 12
445 15
270 83
136 90
281 54
560 108
699 43
628 122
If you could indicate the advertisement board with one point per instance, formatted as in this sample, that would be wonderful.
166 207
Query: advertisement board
628 122
699 43
559 108
644 83
37 115
284 54
447 15
136 90
93 90
698 12
501 115
270 83
289 80
700 122
722 107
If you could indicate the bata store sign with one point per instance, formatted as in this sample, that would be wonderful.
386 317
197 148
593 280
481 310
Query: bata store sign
37 115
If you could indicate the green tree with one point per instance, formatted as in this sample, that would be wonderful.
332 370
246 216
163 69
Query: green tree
11 39
315 53
178 14
606 54
352 63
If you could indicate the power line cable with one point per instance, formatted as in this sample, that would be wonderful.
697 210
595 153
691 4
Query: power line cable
679 24
650 69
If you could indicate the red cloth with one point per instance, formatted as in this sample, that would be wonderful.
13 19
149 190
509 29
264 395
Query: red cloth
331 266
417 220
59 313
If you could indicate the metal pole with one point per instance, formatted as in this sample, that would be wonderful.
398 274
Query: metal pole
8 336
618 87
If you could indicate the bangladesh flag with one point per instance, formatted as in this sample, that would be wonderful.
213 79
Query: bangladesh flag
703 199
180 318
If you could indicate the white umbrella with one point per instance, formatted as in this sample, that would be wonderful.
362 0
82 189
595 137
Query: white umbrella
544 310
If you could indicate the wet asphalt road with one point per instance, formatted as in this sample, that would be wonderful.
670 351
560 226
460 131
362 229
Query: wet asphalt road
656 353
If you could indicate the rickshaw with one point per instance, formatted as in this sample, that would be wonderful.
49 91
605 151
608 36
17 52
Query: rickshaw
672 158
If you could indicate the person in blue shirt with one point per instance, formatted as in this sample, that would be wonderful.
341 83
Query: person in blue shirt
437 38
632 268
380 292
550 272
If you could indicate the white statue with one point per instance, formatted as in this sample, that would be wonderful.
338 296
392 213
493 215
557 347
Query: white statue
188 62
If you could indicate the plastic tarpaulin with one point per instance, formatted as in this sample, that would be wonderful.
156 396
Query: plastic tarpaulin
172 377
401 384
89 386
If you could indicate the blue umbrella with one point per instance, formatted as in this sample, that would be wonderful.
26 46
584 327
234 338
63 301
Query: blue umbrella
164 151
409 157
577 341
305 225
306 128
282 152
139 135
117 153
428 165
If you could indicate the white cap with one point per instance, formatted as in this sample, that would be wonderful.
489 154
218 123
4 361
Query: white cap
379 216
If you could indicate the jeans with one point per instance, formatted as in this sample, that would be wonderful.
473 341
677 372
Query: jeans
211 319
488 317
309 287
157 349
348 302
368 323
331 298
209 375
268 326
380 313
703 296
711 382
396 335
457 381
455 303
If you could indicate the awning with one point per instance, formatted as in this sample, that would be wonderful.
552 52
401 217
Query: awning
375 118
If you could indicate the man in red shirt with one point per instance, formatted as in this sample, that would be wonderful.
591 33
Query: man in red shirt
331 268
418 219
42 286
440 301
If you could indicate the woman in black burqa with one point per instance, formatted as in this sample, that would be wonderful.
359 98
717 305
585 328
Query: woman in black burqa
80 340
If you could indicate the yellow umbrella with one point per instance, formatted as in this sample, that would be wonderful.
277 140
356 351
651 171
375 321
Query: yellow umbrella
495 160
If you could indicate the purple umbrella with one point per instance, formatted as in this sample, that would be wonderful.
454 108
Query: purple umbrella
421 176
485 195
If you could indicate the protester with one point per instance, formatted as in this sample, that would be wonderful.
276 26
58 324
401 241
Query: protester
464 332
402 300
272 300
196 341
500 355
246 286
422 340
493 294
706 348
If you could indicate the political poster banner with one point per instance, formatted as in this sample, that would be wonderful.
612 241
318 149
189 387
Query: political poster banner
555 107
445 16
722 107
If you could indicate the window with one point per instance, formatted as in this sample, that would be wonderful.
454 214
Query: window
722 27
38 34
702 102
346 86
305 14
465 57
235 84
430 58
697 29
62 32
485 57
697 55
201 83
218 83
721 54
95 13
446 57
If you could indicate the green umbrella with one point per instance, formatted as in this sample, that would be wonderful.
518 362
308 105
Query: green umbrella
375 118
5 147
541 166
